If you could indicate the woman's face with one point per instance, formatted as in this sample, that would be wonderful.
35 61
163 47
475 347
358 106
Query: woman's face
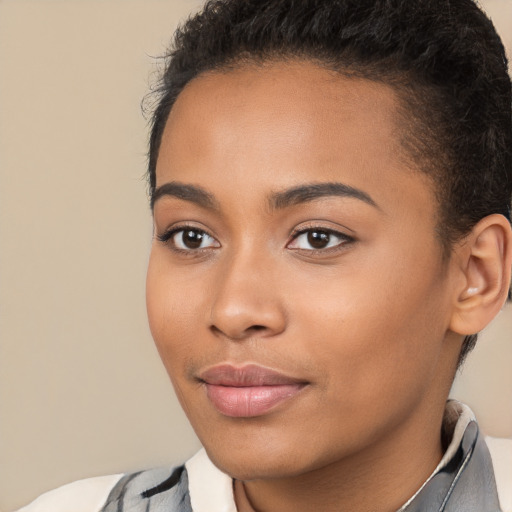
296 289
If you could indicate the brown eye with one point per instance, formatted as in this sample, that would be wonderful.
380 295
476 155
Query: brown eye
318 239
189 239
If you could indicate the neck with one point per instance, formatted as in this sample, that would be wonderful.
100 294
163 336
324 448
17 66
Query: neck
386 474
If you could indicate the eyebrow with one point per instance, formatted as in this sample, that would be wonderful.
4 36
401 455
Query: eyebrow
314 191
278 200
191 193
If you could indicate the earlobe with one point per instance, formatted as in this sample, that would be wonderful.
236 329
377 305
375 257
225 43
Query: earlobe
486 260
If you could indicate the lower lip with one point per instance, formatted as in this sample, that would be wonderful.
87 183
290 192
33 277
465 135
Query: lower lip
247 402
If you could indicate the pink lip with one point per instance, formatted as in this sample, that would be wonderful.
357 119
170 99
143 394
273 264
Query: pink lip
248 391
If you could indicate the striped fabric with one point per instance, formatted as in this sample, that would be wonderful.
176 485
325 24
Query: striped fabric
138 491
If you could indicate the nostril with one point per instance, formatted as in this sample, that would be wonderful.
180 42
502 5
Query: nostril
255 330
245 333
244 315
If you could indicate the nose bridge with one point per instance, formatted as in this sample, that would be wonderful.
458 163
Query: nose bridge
247 301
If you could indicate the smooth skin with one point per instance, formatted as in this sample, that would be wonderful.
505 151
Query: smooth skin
343 287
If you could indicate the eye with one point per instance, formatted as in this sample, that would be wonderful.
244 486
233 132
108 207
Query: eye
188 239
315 239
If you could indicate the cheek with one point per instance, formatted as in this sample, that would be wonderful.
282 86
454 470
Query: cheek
376 330
172 312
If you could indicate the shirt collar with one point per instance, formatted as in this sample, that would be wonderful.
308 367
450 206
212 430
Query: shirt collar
457 417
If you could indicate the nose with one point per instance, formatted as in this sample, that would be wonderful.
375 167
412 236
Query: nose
246 303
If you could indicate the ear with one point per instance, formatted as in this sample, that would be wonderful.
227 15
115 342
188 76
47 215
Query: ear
485 261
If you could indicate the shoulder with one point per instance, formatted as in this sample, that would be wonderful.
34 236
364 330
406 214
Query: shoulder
501 455
198 485
158 489
161 489
87 495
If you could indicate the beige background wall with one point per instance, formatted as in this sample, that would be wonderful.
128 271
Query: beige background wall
82 391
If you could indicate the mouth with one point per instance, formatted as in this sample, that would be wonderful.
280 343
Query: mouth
249 390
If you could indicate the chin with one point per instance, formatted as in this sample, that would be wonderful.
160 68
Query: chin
256 466
264 456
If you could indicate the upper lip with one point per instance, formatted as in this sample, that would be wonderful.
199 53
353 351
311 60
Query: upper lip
245 376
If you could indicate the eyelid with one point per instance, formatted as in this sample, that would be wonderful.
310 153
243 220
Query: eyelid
297 232
169 233
345 239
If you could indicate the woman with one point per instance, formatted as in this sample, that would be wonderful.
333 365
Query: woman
330 184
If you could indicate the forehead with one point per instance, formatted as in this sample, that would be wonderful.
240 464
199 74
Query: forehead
272 126
286 109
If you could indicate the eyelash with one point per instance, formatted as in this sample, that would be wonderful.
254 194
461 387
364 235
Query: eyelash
344 239
166 238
